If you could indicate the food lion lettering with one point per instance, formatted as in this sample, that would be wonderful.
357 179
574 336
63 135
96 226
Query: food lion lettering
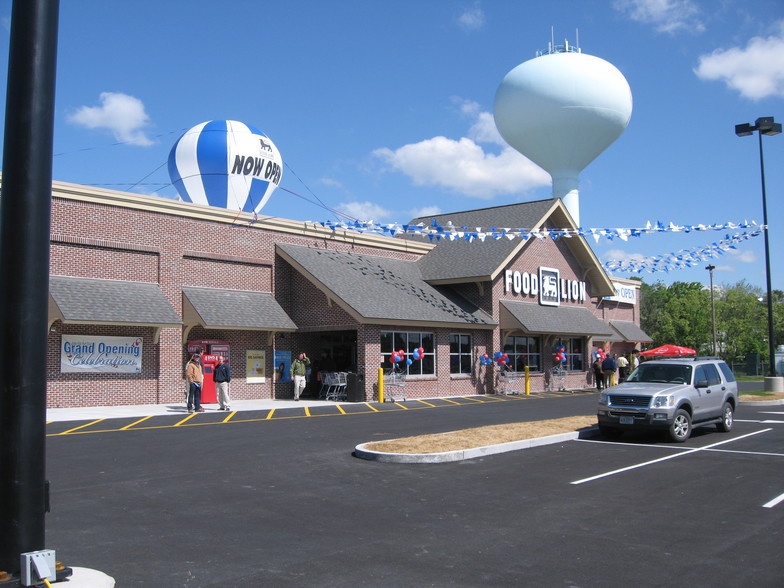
255 166
551 287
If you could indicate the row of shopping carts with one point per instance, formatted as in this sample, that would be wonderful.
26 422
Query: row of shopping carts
514 382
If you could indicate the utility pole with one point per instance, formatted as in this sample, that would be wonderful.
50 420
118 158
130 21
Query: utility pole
25 210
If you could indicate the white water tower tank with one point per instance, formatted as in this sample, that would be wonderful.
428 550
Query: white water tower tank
561 110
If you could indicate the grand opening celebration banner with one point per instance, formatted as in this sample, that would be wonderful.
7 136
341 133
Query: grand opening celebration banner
89 354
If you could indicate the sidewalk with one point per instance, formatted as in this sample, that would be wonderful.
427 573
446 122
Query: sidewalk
90 413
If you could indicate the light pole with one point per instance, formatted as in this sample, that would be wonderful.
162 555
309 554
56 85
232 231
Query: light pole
710 269
766 126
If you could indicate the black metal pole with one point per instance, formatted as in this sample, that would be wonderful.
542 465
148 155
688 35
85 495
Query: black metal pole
25 208
771 342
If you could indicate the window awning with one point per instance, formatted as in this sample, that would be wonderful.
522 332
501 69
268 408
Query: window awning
214 308
551 320
629 331
109 302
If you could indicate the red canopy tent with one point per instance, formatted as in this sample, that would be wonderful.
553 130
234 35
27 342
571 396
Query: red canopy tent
668 351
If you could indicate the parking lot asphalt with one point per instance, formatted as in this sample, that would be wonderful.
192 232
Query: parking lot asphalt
283 502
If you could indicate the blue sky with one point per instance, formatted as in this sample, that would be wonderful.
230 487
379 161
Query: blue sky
383 110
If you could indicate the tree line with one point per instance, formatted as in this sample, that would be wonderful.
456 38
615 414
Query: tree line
680 314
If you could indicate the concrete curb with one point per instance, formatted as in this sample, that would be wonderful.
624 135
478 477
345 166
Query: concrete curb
362 452
762 402
89 578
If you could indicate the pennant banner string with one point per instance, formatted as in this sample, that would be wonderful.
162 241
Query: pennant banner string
683 259
435 231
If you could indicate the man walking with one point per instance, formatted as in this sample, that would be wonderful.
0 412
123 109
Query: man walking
298 371
222 376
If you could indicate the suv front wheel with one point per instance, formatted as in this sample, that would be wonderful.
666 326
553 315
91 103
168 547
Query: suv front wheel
680 429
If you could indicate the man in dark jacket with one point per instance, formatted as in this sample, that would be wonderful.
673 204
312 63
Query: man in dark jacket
609 366
222 377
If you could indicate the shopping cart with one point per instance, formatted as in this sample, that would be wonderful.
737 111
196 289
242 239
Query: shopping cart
511 382
557 378
394 385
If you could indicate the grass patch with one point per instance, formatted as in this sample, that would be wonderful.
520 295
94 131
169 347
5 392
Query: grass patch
482 436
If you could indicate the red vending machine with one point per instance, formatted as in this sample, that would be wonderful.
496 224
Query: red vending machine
213 351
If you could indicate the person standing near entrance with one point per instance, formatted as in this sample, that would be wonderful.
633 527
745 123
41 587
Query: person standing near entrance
195 378
623 368
222 377
298 370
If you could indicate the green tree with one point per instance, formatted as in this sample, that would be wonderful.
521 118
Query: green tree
741 321
679 314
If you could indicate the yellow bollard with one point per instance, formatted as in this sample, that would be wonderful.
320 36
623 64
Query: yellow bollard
381 385
527 381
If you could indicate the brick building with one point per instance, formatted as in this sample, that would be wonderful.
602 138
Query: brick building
136 280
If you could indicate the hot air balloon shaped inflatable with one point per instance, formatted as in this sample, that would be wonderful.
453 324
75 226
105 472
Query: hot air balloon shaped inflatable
227 164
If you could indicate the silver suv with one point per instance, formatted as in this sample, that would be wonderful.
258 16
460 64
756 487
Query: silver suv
671 395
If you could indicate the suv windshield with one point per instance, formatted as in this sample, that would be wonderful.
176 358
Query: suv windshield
663 374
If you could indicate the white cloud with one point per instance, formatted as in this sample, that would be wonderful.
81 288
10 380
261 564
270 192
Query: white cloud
463 166
623 256
425 211
364 211
472 19
744 256
666 16
122 115
756 71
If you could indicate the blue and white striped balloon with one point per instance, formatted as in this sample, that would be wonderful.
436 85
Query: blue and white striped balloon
227 164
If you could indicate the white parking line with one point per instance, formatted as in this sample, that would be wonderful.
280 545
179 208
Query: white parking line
647 463
773 502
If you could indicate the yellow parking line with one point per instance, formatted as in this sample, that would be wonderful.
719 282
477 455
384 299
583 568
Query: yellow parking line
371 407
340 408
81 427
430 405
231 414
185 420
452 401
401 406
307 411
126 427
269 415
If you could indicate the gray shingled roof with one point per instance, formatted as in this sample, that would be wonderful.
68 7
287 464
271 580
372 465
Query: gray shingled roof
89 300
460 260
234 309
382 290
563 320
629 331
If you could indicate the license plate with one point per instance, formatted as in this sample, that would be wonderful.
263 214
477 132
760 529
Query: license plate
627 420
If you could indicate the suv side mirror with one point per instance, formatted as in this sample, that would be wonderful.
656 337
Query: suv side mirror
701 384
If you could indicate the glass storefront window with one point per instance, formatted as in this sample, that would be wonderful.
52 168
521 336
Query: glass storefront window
524 351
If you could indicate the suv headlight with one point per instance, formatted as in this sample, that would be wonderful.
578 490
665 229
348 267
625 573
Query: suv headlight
604 398
662 402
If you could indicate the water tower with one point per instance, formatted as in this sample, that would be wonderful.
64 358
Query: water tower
561 110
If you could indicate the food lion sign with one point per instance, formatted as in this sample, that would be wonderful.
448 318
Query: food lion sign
547 284
85 354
